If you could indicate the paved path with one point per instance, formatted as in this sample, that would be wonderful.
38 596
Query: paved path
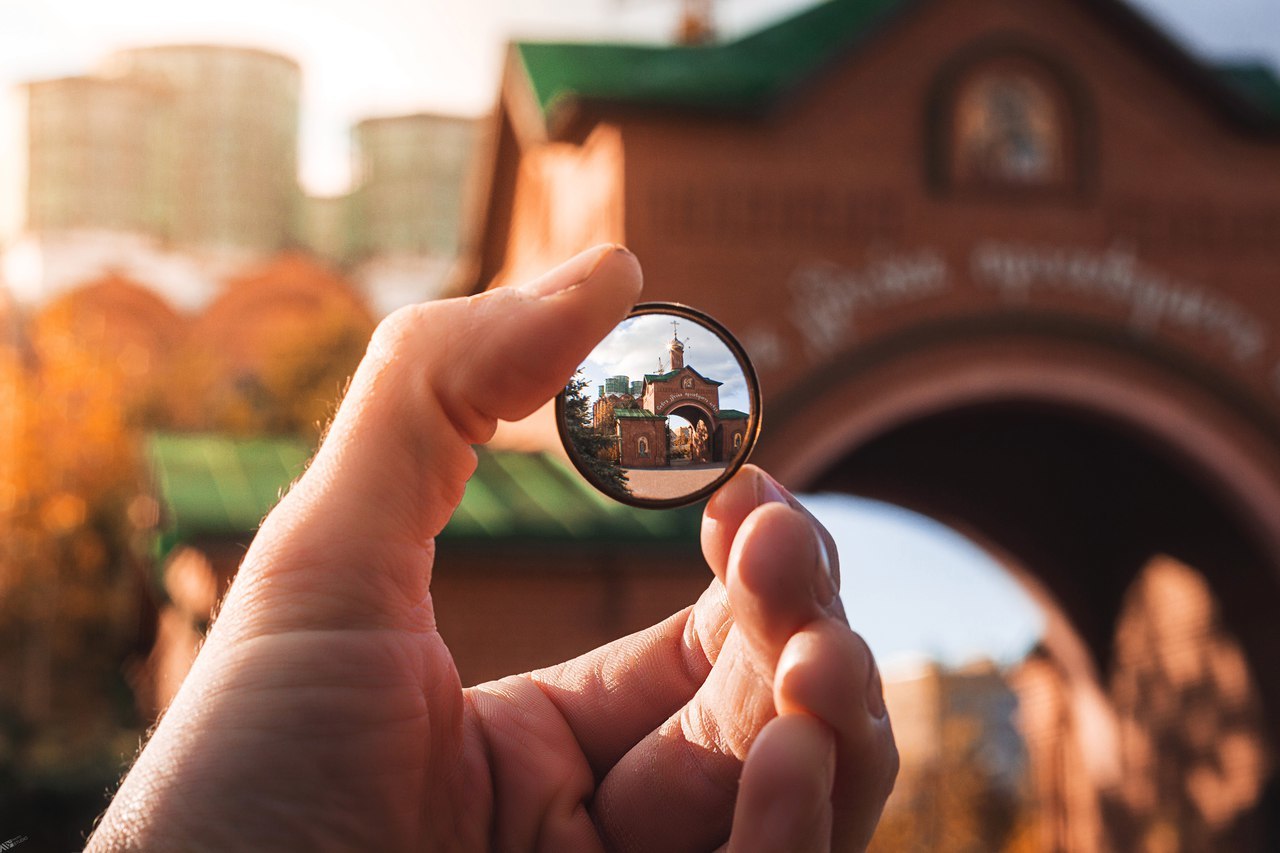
660 483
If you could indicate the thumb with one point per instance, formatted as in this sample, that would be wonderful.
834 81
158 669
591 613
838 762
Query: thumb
784 795
435 380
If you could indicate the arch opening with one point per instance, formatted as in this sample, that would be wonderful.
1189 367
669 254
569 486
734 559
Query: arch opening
702 448
945 670
1091 514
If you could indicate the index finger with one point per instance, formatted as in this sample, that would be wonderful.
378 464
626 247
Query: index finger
727 509
353 538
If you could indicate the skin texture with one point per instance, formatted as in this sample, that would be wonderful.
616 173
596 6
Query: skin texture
324 712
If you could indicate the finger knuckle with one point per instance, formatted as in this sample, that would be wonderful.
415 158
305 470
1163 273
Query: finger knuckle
891 765
399 329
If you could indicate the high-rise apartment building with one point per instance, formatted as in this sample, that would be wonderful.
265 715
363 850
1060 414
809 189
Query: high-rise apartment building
410 171
227 144
403 216
90 154
179 163
195 145
174 164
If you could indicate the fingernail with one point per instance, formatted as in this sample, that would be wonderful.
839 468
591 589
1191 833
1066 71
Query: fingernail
875 689
824 586
572 272
768 491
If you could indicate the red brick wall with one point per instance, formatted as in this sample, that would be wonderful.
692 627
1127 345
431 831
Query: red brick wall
660 395
654 431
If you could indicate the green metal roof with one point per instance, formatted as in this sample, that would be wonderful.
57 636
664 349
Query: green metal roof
215 486
1256 82
731 76
663 377
749 74
733 415
638 414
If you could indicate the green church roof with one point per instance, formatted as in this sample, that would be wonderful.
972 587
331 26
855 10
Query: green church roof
216 486
733 415
750 73
1256 82
672 374
638 414
732 76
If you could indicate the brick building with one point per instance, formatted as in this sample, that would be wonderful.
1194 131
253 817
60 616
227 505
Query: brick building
685 392
642 439
640 422
1009 263
534 567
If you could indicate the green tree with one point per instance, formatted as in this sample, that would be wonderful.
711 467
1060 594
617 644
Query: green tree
593 448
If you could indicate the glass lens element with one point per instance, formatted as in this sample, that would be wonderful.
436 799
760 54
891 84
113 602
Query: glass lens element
664 410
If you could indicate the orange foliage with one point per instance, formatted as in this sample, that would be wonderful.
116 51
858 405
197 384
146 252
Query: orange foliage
79 385
288 293
954 805
272 353
68 477
129 329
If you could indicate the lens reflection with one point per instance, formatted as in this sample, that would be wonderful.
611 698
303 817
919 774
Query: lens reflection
662 410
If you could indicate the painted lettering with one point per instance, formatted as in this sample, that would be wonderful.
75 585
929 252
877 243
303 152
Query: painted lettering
1151 299
827 298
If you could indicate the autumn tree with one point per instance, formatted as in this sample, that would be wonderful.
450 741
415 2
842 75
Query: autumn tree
272 354
80 384
304 374
956 804
72 502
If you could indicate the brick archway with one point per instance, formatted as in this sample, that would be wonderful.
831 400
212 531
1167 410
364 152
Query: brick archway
693 412
676 407
1080 463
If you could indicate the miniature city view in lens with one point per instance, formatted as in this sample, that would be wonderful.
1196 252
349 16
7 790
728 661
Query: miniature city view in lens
663 410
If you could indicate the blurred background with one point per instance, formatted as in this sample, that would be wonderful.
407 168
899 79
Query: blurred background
1007 269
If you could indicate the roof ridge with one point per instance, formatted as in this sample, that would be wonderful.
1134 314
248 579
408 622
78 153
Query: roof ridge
732 75
749 73
1252 78
515 496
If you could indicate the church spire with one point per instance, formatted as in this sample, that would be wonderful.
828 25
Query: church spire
676 348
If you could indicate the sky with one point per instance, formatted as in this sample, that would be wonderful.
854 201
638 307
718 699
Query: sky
634 347
915 589
381 57
912 587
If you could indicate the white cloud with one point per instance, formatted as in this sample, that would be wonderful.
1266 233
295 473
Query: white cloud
634 347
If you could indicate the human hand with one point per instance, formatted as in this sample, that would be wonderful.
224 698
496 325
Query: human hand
324 710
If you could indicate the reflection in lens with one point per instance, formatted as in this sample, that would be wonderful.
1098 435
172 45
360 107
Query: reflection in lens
661 411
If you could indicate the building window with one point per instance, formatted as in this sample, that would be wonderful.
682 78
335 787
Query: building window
1006 121
642 446
737 441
